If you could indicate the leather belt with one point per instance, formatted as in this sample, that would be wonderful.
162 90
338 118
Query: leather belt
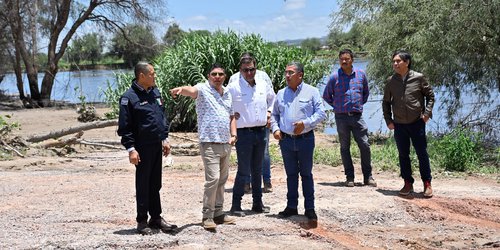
349 113
258 128
296 136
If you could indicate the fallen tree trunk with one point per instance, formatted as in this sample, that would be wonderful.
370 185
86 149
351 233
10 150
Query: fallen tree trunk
71 130
62 143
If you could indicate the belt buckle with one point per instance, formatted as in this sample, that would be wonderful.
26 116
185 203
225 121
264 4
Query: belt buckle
351 114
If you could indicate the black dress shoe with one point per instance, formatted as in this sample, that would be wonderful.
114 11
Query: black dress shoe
143 228
261 209
311 215
236 211
288 212
161 224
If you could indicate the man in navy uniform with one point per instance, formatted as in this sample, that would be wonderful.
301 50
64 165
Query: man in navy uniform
144 130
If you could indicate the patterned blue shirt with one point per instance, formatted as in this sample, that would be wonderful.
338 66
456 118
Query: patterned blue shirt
214 111
347 93
304 104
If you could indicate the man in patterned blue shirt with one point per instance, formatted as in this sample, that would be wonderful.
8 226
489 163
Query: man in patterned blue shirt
346 91
297 110
217 133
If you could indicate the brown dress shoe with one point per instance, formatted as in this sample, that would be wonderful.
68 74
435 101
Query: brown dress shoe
427 189
268 187
407 189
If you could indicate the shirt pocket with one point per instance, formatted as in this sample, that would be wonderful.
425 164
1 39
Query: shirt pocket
305 105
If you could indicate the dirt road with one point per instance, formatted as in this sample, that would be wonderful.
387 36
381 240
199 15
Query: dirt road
86 200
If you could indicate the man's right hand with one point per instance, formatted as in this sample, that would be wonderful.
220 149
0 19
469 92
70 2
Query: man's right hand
176 91
277 135
133 157
390 126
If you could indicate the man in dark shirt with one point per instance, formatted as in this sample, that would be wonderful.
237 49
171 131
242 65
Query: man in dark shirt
144 130
346 91
407 106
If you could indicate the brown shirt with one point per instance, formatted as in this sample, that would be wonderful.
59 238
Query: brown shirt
405 100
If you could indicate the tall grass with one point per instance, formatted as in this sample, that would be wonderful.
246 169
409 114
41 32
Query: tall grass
187 62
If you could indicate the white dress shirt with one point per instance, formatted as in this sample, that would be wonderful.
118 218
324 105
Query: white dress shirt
251 104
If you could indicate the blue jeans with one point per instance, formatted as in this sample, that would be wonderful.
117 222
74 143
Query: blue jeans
414 132
250 152
266 164
298 159
355 124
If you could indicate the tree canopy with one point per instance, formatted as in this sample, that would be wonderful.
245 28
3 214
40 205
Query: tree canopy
57 22
88 47
136 42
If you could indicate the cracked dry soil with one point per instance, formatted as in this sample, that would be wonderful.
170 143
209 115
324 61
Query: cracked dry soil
86 200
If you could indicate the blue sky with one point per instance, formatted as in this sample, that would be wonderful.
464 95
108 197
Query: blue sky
274 20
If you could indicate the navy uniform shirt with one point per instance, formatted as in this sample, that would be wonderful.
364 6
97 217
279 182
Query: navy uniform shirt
142 119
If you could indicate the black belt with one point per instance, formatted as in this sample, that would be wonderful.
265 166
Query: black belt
296 136
258 128
349 113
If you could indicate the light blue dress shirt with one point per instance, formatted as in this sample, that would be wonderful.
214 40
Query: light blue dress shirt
304 104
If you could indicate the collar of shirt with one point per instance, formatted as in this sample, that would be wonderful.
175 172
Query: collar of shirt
243 80
141 88
298 88
214 90
341 72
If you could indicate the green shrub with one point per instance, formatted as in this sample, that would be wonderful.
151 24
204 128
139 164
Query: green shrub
5 126
459 150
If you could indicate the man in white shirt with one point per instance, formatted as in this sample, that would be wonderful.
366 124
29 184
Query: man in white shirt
253 97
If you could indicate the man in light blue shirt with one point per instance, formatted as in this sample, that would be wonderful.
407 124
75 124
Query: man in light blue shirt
298 108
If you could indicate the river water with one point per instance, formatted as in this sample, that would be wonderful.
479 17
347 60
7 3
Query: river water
91 83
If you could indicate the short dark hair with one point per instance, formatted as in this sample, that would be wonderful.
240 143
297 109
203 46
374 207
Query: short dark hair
404 55
247 57
215 66
346 51
297 65
141 67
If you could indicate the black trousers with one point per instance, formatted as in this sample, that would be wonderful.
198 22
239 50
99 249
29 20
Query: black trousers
148 181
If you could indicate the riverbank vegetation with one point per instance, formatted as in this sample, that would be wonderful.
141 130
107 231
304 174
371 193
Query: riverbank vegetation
187 62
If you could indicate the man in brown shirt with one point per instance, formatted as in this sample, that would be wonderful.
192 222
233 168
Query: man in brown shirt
407 106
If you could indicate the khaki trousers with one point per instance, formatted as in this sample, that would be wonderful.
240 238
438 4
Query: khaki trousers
215 158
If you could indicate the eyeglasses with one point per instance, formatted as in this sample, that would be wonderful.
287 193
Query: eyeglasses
217 74
290 73
248 70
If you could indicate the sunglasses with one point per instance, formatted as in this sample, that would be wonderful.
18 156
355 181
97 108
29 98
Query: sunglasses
217 74
248 70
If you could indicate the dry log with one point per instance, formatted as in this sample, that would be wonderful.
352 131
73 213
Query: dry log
183 138
71 130
62 143
89 143
9 148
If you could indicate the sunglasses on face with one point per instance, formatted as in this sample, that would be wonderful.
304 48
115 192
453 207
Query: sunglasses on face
217 74
248 70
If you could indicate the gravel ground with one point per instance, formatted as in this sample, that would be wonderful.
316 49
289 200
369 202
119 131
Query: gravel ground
86 200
